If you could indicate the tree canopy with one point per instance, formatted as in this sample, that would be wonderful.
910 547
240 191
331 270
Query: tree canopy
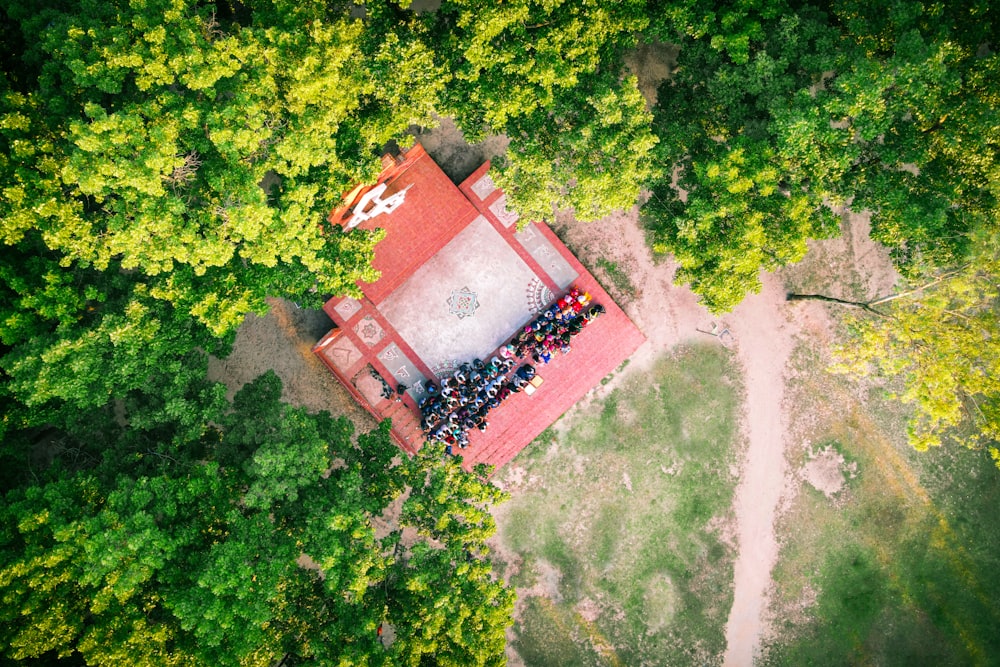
167 165
147 538
780 112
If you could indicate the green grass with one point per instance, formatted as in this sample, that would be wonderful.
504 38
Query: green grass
618 276
641 562
901 569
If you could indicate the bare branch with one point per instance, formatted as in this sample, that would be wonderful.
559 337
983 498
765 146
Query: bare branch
185 173
927 285
822 297
869 305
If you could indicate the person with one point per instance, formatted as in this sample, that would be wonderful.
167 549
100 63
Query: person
526 372
594 312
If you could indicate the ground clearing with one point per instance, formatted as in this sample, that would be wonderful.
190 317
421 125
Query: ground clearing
896 567
618 537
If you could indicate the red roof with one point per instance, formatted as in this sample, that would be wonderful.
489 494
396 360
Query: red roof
434 211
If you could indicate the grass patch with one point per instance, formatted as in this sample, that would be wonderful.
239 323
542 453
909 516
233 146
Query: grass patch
619 533
618 276
900 570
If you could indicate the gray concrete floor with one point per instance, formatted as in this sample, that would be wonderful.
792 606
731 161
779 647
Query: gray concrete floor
480 261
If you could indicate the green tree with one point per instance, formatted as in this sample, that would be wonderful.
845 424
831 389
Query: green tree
149 541
550 76
443 600
589 152
138 135
890 110
939 337
514 59
921 107
736 196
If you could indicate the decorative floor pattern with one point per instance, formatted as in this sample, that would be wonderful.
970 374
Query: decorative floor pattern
404 371
484 187
343 353
347 308
547 256
538 295
463 303
425 311
499 209
369 331
444 368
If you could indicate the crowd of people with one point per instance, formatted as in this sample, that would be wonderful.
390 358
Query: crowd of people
464 400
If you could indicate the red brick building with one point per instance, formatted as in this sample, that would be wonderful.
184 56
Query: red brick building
457 281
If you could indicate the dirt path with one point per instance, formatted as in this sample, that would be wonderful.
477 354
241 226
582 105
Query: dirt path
765 339
762 334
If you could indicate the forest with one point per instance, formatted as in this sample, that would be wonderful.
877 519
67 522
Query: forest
166 166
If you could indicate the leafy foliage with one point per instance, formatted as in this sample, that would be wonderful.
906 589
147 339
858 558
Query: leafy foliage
163 546
778 112
942 340
587 154
136 138
731 121
550 76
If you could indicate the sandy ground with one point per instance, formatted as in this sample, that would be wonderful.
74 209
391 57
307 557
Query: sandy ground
766 339
282 340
